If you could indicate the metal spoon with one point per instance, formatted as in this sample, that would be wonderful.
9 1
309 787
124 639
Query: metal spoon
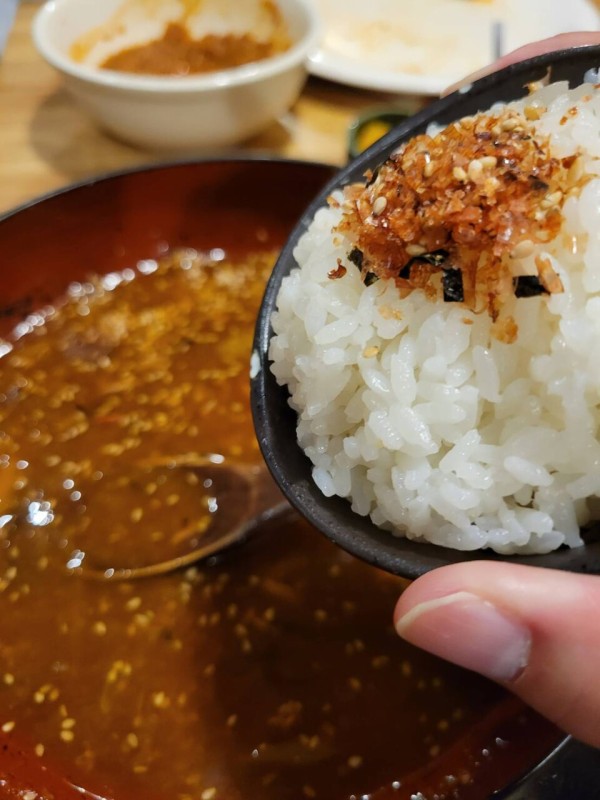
274 420
233 499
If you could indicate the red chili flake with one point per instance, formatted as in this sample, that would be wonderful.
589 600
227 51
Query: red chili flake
336 274
475 190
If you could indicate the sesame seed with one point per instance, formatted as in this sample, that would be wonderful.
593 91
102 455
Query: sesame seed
354 762
68 723
428 169
39 750
137 514
67 735
209 794
133 603
370 352
380 661
192 573
99 628
160 700
118 669
379 205
532 113
232 720
8 727
475 169
491 185
576 171
8 678
459 174
132 740
509 124
415 250
29 795
523 249
552 199
489 162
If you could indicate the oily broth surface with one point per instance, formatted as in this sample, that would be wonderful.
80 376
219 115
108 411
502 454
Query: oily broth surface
132 373
271 673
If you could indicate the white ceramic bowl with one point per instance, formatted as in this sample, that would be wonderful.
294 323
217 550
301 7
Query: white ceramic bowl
166 112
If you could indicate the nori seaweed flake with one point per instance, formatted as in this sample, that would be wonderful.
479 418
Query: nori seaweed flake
436 258
370 278
356 256
528 286
452 284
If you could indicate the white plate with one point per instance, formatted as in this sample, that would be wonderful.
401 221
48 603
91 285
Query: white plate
423 46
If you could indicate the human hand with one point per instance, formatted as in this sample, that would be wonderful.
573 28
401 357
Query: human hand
536 631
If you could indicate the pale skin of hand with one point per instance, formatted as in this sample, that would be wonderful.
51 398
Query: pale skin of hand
535 631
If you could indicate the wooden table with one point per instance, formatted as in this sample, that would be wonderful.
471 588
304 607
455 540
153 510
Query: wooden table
47 142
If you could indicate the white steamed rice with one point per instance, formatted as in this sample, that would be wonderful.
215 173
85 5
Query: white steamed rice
431 426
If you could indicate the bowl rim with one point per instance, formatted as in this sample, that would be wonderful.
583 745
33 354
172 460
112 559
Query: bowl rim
234 157
169 84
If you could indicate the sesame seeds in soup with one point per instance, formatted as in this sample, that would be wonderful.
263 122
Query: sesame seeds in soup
269 673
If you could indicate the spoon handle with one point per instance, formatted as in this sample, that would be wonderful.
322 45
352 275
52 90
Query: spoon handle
570 772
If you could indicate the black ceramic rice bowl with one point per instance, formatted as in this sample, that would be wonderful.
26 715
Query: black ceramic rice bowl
275 421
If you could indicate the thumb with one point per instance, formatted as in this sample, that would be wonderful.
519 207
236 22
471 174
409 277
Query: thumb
536 631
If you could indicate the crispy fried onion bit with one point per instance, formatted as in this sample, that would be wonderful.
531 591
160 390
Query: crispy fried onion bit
461 214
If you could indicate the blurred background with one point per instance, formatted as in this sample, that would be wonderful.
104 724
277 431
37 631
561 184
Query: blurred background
371 65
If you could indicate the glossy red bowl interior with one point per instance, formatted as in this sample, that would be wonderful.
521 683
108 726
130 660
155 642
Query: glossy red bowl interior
108 224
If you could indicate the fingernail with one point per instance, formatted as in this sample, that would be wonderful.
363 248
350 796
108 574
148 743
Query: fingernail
470 632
